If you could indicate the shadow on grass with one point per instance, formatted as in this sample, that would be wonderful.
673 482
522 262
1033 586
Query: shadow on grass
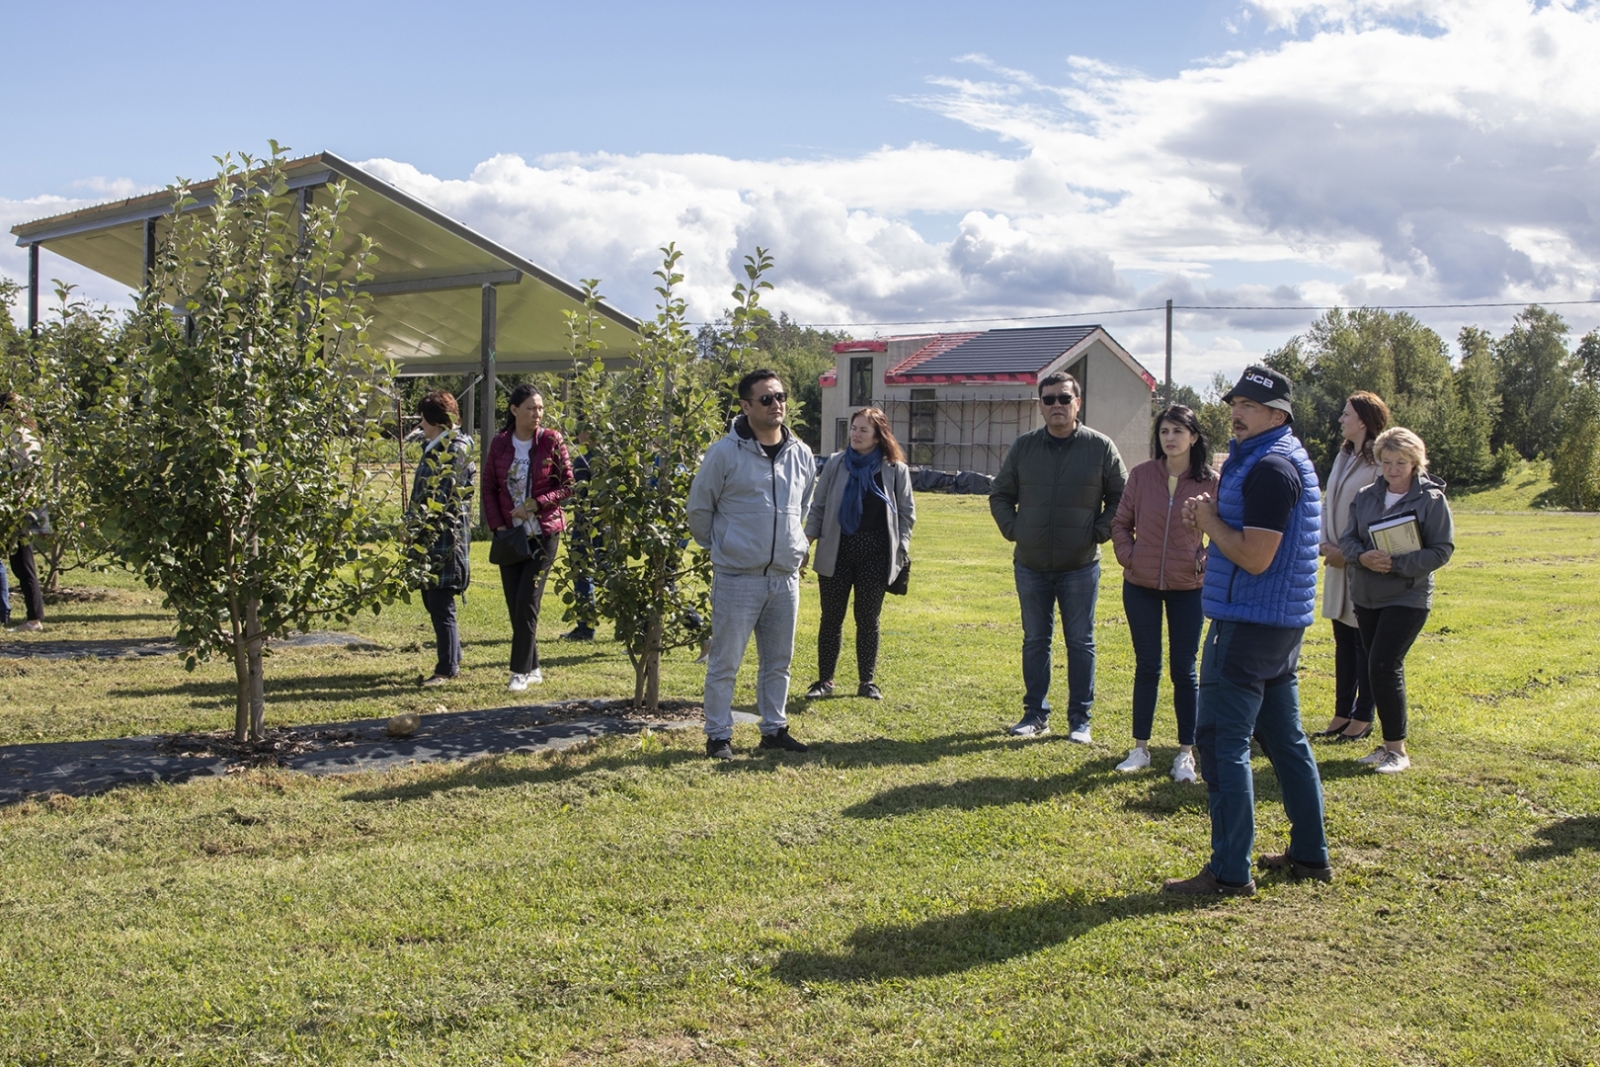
1169 798
889 751
280 689
66 615
493 773
958 943
990 791
1566 836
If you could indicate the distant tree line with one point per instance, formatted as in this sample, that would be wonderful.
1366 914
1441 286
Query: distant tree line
1525 394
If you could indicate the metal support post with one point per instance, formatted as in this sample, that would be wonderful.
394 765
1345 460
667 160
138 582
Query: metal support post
469 412
149 252
486 405
33 290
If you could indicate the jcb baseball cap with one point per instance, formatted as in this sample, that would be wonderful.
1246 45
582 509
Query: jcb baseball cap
1266 387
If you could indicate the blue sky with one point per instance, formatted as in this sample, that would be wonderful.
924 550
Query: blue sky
444 87
903 161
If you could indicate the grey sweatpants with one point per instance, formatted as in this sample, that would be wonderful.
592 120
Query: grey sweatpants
741 605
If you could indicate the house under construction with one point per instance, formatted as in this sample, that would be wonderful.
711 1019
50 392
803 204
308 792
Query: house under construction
956 401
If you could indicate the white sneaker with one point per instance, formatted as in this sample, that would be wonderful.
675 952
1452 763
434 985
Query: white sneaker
1138 759
1373 757
1183 768
1392 763
1080 735
519 682
535 677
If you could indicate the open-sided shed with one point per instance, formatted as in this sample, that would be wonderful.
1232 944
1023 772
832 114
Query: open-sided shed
447 300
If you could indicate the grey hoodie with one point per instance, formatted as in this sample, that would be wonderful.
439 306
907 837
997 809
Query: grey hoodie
749 511
1410 583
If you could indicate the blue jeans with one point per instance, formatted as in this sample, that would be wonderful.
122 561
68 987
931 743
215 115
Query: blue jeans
1230 712
1041 594
5 595
741 605
1184 622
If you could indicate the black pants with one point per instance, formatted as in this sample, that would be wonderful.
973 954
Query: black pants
862 565
523 584
28 580
1352 691
441 605
1388 634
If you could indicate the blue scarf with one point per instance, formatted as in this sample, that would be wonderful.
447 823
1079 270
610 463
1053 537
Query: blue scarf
862 468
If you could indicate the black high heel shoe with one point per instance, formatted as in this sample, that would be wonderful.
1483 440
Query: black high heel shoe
1355 737
1334 731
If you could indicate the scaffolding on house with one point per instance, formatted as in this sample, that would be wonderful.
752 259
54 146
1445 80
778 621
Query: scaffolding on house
959 433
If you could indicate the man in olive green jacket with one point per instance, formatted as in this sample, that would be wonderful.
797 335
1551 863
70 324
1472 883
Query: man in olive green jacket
1055 497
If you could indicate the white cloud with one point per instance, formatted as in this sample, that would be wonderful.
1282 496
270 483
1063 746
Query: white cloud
1401 151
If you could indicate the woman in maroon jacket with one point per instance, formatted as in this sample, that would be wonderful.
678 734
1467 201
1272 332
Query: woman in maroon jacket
1163 564
527 476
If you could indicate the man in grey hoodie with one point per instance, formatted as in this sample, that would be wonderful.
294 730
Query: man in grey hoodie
747 507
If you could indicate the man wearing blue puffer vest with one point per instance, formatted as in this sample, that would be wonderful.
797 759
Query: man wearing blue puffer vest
1260 593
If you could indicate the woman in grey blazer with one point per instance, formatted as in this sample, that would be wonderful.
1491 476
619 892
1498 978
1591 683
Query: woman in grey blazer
860 520
1394 594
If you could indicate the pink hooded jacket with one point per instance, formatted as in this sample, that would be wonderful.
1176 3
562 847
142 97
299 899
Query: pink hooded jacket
1155 548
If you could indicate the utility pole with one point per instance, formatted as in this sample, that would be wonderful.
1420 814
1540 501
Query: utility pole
1169 353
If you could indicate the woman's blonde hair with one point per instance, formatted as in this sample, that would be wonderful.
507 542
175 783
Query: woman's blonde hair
1403 443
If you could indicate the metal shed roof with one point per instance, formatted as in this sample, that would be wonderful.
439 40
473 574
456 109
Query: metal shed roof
427 281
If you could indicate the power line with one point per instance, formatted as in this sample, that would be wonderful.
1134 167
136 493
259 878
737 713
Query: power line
1373 307
1191 307
991 318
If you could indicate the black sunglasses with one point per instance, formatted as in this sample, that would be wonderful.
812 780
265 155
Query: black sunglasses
769 399
1050 400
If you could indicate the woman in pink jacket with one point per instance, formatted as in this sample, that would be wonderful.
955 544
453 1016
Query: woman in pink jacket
525 478
1163 565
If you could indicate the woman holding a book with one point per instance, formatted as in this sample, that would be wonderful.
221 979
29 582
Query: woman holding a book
1400 532
1365 416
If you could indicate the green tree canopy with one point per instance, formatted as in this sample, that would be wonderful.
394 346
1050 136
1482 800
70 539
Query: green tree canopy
229 470
1535 373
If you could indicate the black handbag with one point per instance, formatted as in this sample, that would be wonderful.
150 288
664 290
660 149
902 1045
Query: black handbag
510 546
902 581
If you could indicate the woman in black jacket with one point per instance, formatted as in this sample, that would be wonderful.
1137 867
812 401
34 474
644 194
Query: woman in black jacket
444 478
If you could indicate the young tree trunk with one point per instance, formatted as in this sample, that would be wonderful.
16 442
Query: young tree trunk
241 673
258 700
641 671
58 544
52 581
652 664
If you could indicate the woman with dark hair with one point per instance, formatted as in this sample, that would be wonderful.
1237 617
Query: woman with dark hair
525 478
1400 532
1365 416
20 452
1163 567
862 514
444 477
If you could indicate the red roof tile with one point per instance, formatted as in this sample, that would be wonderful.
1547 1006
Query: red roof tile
936 345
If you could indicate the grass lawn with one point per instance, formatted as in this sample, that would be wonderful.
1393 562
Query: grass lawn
919 889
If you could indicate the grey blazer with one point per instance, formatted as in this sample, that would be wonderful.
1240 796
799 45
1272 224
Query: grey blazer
822 524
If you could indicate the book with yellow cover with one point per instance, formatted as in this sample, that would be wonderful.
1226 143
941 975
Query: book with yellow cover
1397 535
